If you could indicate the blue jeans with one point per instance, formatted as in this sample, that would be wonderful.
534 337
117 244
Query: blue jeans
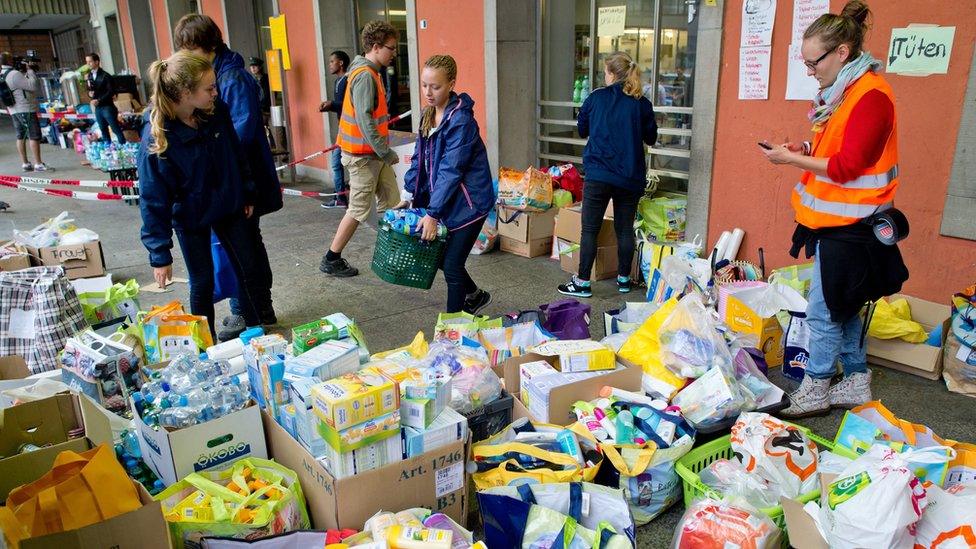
338 175
830 340
109 117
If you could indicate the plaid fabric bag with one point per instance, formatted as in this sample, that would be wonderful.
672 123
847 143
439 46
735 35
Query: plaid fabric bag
39 310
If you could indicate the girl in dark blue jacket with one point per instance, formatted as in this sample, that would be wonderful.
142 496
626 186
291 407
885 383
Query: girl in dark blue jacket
194 178
619 121
449 175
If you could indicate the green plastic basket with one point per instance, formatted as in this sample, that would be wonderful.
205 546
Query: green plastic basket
701 457
406 260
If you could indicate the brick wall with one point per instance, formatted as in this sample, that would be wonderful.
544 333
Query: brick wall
18 43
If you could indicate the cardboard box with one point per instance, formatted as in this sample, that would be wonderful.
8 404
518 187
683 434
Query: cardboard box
131 136
79 260
526 226
529 371
533 248
561 398
421 403
215 444
355 398
17 260
325 361
569 227
914 358
448 427
306 422
435 480
584 355
802 528
313 333
126 102
604 266
357 436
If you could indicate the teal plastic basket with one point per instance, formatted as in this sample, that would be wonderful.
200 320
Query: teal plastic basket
406 260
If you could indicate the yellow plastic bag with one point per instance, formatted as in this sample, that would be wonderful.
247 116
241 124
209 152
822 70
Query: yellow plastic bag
169 331
509 471
644 349
417 348
893 320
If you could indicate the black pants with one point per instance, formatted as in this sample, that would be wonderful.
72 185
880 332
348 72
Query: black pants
596 197
237 239
109 117
459 283
262 275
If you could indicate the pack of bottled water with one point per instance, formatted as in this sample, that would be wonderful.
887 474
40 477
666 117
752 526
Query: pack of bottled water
190 390
111 156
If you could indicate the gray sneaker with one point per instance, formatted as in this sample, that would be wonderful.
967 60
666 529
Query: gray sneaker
231 327
809 400
854 390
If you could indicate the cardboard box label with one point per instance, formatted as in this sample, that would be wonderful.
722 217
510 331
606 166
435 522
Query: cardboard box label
449 479
67 253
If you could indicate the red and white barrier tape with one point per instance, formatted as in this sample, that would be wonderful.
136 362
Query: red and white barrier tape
72 182
79 195
334 147
66 115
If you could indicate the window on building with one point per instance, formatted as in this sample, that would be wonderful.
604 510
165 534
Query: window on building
397 78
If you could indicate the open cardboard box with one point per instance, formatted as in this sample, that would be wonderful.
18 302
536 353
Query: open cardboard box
562 398
802 528
435 479
78 260
918 359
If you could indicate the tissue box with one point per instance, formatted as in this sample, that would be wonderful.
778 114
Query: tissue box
367 458
306 422
531 370
363 434
421 401
326 361
582 355
538 389
355 398
312 334
449 426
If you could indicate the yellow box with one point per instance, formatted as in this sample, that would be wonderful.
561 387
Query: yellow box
582 355
741 318
355 398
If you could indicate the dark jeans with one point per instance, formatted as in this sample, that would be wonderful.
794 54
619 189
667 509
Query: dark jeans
459 283
262 276
596 197
338 176
237 237
109 117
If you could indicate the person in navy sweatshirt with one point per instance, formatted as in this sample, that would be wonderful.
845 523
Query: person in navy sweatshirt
194 177
619 121
450 177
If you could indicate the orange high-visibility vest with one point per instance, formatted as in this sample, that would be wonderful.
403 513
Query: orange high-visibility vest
820 202
350 138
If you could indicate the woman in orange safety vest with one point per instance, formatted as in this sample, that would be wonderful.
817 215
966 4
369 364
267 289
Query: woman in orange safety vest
850 174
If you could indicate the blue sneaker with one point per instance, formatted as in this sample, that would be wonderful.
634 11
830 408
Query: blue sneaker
624 284
576 288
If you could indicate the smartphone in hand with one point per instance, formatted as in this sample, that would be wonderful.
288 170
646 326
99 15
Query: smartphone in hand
765 145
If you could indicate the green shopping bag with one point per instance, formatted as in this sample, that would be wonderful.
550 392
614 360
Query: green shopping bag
455 326
664 216
116 301
795 276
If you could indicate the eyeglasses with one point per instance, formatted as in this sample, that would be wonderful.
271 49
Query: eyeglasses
812 65
391 48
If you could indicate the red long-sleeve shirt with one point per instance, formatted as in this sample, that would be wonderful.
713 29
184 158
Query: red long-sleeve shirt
868 128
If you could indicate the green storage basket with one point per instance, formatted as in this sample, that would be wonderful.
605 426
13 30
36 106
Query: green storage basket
701 457
406 260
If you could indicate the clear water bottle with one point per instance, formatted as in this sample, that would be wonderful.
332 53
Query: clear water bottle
585 89
178 418
130 442
152 390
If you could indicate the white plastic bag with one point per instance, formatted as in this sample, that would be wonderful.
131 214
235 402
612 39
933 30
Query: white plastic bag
949 520
874 503
690 342
757 390
779 453
710 399
730 478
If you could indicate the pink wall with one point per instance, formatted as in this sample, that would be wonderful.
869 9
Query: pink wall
302 81
125 24
750 193
164 34
215 9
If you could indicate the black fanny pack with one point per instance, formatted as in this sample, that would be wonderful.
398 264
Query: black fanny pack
890 226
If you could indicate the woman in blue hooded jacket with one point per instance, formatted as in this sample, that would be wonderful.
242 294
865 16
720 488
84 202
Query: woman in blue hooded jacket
194 178
450 177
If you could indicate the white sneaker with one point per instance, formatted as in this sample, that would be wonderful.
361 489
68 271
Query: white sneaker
42 167
809 400
854 390
27 167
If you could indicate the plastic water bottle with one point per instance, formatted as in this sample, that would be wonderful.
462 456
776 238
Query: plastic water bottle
625 427
585 89
153 390
577 90
178 417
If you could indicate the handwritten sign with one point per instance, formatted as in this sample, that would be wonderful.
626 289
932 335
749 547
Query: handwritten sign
67 253
758 17
610 20
805 12
799 85
920 50
754 72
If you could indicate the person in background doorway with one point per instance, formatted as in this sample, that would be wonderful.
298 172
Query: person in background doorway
22 85
256 67
200 35
450 177
850 173
364 140
194 179
619 121
338 63
103 99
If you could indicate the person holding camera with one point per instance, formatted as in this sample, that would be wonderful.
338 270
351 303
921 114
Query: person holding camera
18 89
103 99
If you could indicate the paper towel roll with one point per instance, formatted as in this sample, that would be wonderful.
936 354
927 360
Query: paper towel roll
732 251
722 245
237 365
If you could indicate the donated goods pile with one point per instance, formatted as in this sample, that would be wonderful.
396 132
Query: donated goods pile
309 439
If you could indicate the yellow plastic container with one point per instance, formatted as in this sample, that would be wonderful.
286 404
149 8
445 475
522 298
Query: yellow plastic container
409 537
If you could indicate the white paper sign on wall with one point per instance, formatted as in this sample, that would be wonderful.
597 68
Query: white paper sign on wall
610 20
920 50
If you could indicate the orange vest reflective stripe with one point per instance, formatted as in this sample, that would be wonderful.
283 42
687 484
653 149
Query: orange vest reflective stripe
820 202
350 138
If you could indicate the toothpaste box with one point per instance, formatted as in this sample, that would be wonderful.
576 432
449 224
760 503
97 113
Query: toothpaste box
580 355
531 370
362 434
258 354
422 402
287 419
367 458
328 360
448 427
354 398
306 422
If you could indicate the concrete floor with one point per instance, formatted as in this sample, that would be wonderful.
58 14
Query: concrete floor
390 316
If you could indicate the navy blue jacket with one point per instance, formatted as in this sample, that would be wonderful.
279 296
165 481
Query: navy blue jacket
339 95
618 127
240 91
449 173
201 178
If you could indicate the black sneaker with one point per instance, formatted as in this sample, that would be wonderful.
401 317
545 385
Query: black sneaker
332 204
624 284
479 301
268 317
575 289
339 268
231 327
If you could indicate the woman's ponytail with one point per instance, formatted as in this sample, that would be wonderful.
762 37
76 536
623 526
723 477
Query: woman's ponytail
169 79
849 27
625 70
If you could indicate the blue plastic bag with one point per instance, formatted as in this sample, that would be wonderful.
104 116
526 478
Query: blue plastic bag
225 281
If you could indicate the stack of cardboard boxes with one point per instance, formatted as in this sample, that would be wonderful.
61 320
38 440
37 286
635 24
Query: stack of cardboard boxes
526 234
569 227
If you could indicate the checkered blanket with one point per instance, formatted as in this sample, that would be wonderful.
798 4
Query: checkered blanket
39 310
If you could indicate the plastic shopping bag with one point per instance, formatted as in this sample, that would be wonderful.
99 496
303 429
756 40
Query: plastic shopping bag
690 342
713 524
488 236
875 502
628 318
729 477
795 276
964 316
566 319
644 349
455 326
169 331
530 190
663 216
891 320
511 341
225 280
566 177
950 518
779 453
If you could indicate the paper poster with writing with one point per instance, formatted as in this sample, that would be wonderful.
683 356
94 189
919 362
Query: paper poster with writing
754 72
920 50
610 20
799 85
805 12
758 17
